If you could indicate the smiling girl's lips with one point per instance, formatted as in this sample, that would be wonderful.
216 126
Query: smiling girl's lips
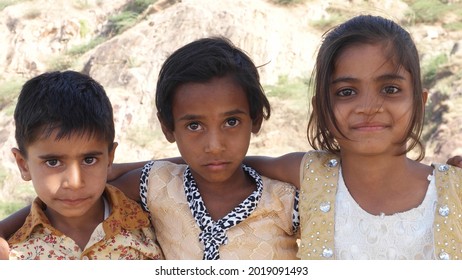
369 126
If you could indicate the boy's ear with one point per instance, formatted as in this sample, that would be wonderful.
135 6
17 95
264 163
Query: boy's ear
167 132
111 154
22 164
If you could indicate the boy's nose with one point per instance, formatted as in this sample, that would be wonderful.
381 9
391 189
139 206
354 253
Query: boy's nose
73 177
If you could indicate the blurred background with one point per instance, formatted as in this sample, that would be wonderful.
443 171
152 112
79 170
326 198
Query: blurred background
122 44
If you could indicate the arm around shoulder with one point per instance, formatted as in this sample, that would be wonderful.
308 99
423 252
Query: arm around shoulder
13 223
285 168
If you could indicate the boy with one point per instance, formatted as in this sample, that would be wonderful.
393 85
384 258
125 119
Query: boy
65 136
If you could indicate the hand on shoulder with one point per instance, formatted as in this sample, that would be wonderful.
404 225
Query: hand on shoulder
4 249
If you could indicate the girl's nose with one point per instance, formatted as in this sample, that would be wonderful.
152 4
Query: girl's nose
215 143
369 105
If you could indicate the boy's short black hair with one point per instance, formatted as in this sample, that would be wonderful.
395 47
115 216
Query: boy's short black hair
67 102
203 60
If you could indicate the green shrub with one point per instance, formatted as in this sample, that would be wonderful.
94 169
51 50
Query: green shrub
430 69
9 90
7 208
430 11
128 17
287 2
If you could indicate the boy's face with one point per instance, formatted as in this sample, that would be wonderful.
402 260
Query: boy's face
69 175
212 128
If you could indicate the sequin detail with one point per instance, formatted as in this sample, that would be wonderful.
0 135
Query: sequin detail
443 210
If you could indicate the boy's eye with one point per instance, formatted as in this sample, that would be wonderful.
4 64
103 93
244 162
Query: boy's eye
232 122
89 160
193 126
52 163
346 92
390 90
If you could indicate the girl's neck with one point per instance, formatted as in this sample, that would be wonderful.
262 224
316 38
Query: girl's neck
374 171
220 198
385 184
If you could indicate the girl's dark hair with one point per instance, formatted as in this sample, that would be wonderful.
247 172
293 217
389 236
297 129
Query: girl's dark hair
202 60
67 102
364 29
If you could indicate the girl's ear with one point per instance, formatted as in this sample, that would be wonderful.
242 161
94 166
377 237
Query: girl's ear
112 154
22 164
256 124
424 96
167 132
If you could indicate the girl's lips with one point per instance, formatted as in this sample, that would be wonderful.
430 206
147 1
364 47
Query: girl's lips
216 165
369 126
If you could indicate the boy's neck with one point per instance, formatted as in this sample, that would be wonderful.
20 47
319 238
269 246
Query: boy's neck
79 228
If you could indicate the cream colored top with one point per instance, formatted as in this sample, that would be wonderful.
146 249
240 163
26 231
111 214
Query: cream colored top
318 195
266 234
360 235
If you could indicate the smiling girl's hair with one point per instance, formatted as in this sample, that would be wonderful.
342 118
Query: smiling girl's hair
400 49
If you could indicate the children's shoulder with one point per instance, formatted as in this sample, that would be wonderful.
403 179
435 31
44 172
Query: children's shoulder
448 180
320 156
163 167
316 160
273 185
446 172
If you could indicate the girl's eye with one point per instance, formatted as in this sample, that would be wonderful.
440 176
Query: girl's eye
89 160
194 126
52 163
390 90
232 122
346 92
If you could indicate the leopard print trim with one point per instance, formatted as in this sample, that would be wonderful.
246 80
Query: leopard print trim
214 233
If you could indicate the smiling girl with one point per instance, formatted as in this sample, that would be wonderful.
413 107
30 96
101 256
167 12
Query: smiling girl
362 197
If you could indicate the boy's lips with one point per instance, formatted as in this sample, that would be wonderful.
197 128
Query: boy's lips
72 201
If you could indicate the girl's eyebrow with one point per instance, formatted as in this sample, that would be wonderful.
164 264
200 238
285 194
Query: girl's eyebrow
189 117
384 77
234 112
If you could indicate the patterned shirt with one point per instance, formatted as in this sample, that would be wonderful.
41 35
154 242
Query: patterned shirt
125 234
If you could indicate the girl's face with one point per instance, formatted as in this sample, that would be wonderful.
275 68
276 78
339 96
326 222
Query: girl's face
212 128
372 100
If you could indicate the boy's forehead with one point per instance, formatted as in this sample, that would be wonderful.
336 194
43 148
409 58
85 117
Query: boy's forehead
58 134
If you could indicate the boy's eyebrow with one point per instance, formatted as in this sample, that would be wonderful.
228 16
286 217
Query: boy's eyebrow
384 77
87 154
189 117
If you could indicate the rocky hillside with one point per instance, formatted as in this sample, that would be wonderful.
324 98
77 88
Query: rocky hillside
122 44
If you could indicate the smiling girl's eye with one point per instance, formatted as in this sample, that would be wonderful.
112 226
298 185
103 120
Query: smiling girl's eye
390 90
232 122
346 92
